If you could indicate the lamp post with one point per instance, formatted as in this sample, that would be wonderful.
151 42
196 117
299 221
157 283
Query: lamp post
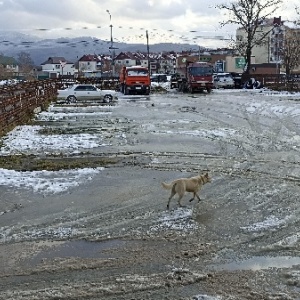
111 44
148 56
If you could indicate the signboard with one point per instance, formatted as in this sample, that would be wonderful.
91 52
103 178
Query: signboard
240 62
219 66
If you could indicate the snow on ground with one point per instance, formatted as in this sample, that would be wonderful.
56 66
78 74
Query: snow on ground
264 91
27 139
279 110
220 132
164 85
268 223
57 116
179 219
47 182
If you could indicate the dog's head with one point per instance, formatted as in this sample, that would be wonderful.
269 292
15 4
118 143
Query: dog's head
206 178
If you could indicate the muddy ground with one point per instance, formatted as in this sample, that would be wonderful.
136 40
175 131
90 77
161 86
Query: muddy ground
112 237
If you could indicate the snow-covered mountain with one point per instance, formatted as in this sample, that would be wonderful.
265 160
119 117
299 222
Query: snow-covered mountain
12 43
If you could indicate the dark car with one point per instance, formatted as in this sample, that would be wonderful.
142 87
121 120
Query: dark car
237 78
174 80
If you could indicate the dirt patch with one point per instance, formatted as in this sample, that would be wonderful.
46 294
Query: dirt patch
36 163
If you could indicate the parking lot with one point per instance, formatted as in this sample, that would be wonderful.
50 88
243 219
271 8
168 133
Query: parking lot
83 214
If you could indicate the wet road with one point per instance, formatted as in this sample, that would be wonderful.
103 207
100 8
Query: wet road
112 235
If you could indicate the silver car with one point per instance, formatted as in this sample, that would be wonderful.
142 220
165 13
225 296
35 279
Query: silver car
79 92
223 80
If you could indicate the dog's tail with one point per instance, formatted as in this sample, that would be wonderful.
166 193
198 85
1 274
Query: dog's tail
167 186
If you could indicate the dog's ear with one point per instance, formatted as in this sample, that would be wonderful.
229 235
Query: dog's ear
206 174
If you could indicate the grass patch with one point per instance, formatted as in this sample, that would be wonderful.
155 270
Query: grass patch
34 163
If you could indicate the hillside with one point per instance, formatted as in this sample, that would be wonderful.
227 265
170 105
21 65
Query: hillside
12 43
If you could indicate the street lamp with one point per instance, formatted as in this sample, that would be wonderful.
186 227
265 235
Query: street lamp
111 44
148 57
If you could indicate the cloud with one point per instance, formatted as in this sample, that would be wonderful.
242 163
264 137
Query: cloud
166 20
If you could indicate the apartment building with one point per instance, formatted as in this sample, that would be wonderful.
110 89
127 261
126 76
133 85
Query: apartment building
271 49
158 62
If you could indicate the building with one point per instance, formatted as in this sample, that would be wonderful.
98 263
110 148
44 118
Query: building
58 66
272 33
226 61
129 59
93 65
163 63
158 62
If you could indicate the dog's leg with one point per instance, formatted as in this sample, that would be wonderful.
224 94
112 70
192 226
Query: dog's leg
179 198
198 197
180 195
193 197
180 189
173 192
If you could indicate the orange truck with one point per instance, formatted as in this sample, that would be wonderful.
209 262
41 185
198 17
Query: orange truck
135 80
195 76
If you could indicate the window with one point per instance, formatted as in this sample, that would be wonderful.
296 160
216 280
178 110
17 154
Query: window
197 71
85 88
91 88
80 88
137 72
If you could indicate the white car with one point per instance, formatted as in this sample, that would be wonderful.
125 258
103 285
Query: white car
223 80
85 92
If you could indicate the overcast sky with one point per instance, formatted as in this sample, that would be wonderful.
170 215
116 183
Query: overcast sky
166 20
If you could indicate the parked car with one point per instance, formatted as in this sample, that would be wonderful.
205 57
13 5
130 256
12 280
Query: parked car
85 92
174 80
223 80
237 78
159 78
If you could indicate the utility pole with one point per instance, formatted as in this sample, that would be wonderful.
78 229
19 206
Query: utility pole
148 56
112 48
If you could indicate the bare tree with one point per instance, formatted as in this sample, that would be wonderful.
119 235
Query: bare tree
25 63
291 50
5 73
249 15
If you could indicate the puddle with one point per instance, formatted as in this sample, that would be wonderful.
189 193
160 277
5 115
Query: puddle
81 249
259 263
